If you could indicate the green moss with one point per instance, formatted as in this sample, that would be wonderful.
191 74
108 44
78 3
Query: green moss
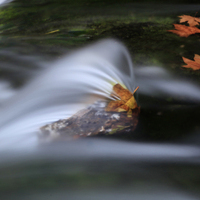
119 128
145 34
150 43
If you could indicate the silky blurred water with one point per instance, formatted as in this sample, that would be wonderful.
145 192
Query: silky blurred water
70 84
98 168
160 160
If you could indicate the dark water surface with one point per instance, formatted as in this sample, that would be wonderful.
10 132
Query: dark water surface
47 72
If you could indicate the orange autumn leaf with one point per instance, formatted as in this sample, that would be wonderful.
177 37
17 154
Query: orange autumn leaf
127 101
195 65
184 31
192 21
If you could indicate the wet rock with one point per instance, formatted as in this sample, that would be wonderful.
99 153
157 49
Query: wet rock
91 121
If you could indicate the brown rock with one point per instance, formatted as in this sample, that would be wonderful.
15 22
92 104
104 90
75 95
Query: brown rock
91 121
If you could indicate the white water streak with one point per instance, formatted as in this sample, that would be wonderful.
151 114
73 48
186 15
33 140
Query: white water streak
64 88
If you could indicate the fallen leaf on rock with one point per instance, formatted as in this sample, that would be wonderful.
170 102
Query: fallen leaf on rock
184 31
195 65
127 101
192 21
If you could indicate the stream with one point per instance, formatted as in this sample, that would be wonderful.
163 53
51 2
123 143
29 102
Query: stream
160 160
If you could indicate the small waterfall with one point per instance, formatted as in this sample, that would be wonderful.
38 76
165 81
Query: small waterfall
138 170
63 88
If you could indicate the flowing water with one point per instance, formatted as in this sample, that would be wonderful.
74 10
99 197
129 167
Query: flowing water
99 166
125 167
63 89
